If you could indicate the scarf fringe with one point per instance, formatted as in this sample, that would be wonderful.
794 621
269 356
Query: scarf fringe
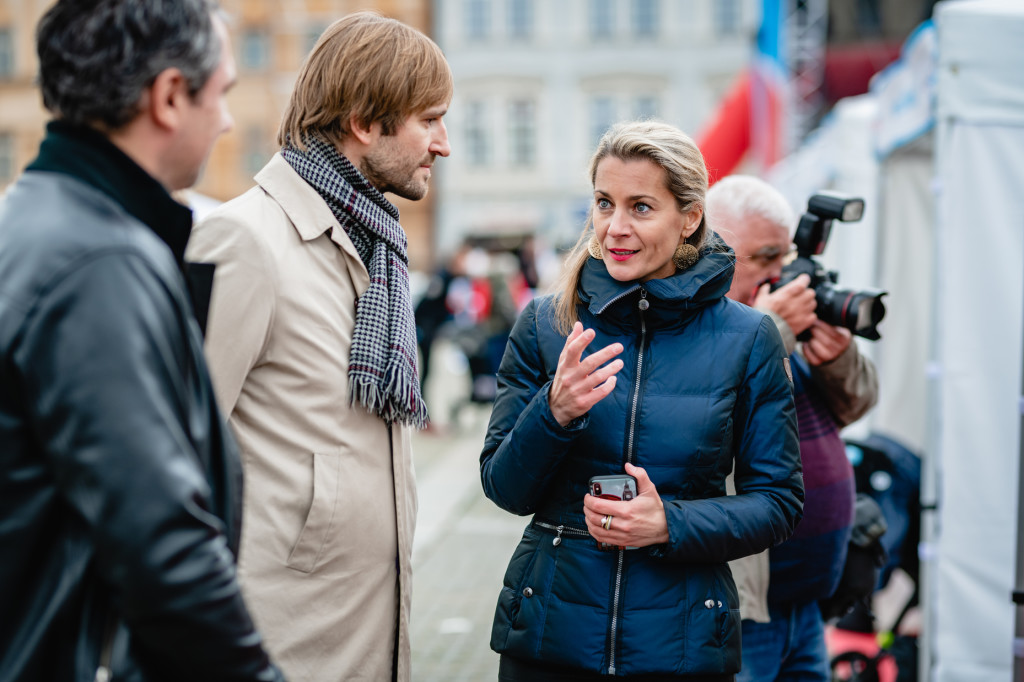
386 403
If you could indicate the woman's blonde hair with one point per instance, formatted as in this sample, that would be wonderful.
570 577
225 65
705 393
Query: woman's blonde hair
368 66
685 176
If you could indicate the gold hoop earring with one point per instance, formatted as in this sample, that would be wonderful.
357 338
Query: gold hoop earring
594 247
685 256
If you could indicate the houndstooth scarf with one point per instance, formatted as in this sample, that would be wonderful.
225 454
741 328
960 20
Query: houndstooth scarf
382 366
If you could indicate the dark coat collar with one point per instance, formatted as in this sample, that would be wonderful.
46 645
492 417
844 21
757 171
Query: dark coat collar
87 155
706 282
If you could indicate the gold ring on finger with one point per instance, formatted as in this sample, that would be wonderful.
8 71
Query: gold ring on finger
606 522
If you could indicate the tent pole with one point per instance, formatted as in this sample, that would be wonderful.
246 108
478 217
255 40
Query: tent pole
1018 590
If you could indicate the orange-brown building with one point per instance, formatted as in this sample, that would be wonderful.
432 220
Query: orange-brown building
270 38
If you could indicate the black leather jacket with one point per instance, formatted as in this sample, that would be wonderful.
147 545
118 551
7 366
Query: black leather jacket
119 485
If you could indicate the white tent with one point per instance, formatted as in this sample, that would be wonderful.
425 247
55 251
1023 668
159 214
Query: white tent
978 308
902 142
949 240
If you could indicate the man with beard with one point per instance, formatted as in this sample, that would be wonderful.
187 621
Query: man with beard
312 346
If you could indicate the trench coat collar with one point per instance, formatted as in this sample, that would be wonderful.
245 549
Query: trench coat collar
310 218
309 213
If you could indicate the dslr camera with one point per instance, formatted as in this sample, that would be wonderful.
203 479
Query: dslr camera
858 311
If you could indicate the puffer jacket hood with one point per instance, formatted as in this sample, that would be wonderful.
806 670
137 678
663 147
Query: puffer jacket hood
707 281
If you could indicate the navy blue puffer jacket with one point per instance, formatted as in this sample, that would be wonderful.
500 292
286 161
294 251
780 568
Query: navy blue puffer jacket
704 385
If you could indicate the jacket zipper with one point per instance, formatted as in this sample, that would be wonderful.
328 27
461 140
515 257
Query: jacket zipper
620 296
562 529
642 305
104 671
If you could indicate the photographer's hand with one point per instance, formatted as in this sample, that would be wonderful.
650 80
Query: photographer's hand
637 523
795 303
826 343
580 383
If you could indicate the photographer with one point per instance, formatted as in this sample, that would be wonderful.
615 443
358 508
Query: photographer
834 385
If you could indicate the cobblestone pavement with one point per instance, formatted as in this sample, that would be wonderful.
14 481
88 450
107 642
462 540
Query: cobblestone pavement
463 542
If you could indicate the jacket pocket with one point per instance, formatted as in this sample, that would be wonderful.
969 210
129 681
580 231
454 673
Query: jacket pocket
712 641
517 575
320 519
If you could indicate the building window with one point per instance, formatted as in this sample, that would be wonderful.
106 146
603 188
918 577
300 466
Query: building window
313 34
6 157
522 132
727 17
255 49
478 19
6 52
601 19
520 19
602 116
645 18
256 152
478 150
645 106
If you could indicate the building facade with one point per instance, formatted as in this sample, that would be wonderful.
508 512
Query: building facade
537 82
270 39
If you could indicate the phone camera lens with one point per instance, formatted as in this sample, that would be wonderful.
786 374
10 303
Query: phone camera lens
597 488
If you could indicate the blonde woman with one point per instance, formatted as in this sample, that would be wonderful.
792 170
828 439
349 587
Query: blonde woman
639 365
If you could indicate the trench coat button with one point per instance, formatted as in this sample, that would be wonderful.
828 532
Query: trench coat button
527 592
709 604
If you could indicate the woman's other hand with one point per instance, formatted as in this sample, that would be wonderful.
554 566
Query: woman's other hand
580 383
639 522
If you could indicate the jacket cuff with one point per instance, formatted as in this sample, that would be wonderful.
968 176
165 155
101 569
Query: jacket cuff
573 427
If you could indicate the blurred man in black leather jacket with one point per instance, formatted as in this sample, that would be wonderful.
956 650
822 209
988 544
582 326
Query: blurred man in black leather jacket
119 484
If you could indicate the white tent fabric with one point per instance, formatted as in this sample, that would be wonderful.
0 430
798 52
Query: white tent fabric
950 249
906 227
905 96
978 303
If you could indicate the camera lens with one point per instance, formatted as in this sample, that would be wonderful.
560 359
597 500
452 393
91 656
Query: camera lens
858 311
597 488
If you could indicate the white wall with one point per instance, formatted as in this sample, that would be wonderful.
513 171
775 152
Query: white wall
978 315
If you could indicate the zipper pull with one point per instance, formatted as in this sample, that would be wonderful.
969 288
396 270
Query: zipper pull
643 304
558 538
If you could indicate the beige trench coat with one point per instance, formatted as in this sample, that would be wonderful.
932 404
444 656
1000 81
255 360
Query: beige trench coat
330 500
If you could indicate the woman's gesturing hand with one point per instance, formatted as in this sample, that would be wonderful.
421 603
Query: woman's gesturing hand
580 383
639 522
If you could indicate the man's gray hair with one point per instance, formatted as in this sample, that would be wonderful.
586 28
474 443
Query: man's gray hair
97 57
745 196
